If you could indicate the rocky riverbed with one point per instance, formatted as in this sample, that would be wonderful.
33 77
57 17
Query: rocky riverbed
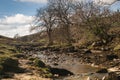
82 65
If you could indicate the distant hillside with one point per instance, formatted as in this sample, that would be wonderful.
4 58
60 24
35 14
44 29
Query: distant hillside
32 37
3 37
7 40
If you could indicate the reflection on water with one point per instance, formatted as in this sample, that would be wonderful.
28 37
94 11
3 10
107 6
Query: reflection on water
81 71
83 76
78 68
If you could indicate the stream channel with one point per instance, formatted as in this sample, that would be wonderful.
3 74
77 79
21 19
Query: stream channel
62 61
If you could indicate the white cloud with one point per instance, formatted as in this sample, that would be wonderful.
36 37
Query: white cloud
19 23
105 2
100 2
16 19
34 1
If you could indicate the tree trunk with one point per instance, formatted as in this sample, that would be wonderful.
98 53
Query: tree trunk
50 40
68 34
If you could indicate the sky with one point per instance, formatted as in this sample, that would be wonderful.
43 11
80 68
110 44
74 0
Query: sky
17 15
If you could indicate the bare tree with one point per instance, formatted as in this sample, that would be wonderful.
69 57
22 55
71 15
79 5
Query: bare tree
45 21
93 17
62 12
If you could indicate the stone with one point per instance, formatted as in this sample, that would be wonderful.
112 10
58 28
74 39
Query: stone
60 72
112 76
117 48
39 63
102 71
111 57
87 51
55 64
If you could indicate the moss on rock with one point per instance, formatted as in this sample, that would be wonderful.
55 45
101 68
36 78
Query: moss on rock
45 72
117 48
39 63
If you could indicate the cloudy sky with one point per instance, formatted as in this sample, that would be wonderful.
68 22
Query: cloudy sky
17 15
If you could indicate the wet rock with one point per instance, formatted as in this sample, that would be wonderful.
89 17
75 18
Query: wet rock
39 63
113 76
1 52
102 71
31 58
118 77
105 48
20 56
87 51
55 64
111 57
54 49
60 72
1 69
29 63
7 75
11 65
97 43
13 50
69 49
72 49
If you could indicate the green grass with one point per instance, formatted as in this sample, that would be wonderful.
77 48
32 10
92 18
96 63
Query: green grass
44 70
6 56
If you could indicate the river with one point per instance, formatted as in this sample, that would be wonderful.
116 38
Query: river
81 71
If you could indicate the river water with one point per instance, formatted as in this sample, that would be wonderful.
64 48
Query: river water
81 71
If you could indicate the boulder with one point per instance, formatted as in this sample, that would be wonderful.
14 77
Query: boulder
102 71
55 64
20 56
111 57
10 65
60 72
1 69
113 76
1 52
87 51
39 63
117 48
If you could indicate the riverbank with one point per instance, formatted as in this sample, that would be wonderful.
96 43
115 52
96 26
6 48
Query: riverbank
29 73
81 63
75 63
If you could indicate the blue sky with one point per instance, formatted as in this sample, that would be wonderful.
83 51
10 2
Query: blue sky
116 5
11 7
17 15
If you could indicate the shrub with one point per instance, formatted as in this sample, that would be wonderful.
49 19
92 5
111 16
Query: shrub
101 32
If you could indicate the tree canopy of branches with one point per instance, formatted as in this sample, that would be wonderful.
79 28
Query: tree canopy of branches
46 21
62 12
66 13
95 18
56 13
